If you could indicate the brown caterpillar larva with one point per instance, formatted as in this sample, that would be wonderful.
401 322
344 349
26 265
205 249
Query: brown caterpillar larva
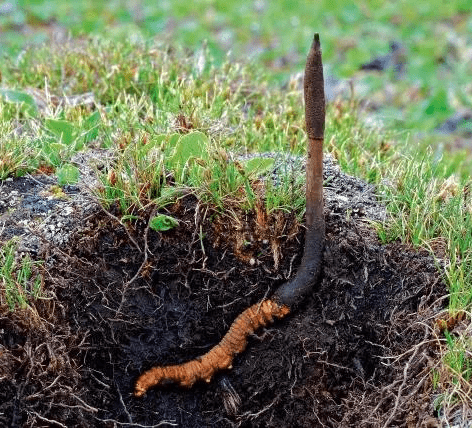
220 356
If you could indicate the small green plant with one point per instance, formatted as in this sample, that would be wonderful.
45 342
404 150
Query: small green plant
222 181
57 192
190 151
18 155
63 130
59 142
140 174
258 166
62 138
287 193
162 222
137 176
67 174
23 100
17 277
452 379
458 359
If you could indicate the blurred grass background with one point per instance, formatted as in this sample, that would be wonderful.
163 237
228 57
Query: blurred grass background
429 94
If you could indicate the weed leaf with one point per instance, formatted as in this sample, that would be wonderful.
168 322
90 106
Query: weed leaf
19 97
91 127
67 174
62 129
162 222
194 145
258 166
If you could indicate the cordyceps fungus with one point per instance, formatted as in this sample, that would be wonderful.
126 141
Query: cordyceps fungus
289 295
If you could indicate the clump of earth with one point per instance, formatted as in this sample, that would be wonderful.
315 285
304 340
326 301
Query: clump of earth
119 299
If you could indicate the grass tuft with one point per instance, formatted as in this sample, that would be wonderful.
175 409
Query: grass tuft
19 279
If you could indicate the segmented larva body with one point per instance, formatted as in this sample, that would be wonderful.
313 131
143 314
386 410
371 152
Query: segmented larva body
220 356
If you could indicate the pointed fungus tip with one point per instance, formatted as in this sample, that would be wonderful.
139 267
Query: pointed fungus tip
316 40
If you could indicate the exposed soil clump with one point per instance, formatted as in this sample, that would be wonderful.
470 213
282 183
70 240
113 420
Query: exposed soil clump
353 355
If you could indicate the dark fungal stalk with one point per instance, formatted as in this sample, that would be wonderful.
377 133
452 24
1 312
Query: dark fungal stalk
289 295
293 292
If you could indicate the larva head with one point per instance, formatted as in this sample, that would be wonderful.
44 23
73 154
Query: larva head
139 390
153 377
147 380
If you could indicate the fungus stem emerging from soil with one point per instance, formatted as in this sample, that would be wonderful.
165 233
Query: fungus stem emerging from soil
293 292
289 295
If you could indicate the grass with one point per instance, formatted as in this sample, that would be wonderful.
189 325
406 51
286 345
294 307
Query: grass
168 121
173 118
431 208
435 35
19 280
161 111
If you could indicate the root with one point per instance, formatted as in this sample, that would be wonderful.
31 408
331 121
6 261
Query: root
220 357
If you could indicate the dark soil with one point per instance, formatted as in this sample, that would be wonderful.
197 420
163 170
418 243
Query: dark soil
352 356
